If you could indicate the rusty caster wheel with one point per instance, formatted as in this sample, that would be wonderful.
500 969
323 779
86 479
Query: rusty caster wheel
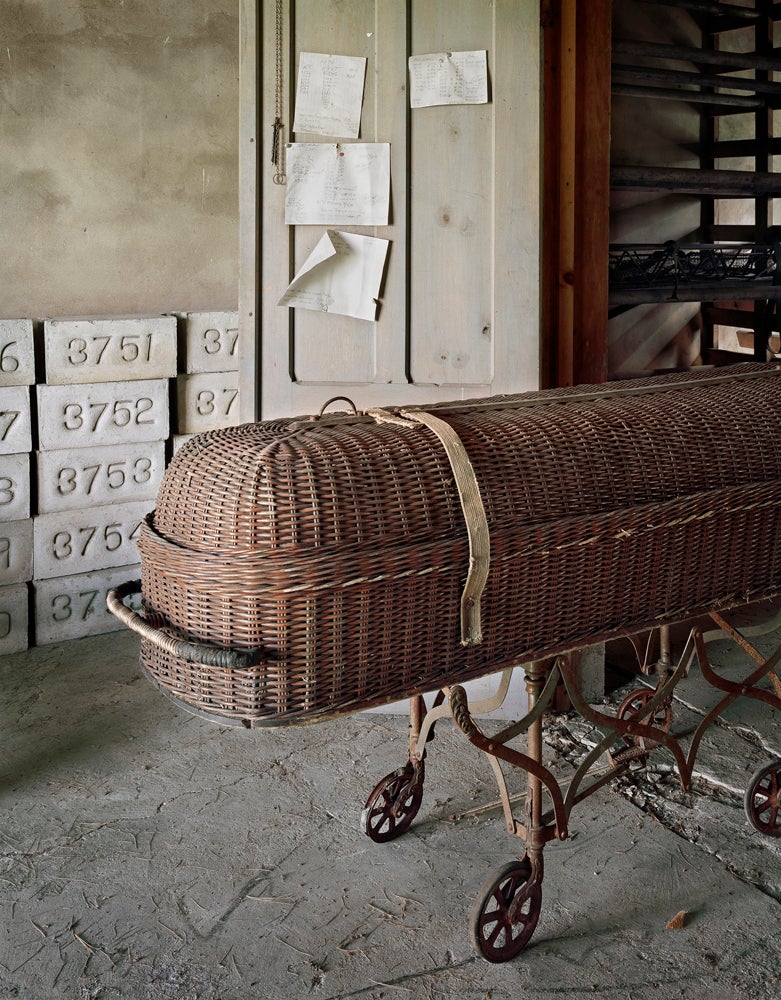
394 803
762 800
633 703
506 912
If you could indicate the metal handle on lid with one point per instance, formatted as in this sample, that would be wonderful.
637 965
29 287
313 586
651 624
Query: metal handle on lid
336 399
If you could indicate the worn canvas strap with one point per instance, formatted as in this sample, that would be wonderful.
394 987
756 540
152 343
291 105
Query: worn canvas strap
472 507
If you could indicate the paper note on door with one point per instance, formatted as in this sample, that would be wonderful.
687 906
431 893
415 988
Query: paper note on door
448 78
329 94
341 275
337 184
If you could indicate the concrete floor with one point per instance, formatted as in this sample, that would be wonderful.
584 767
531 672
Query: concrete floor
149 854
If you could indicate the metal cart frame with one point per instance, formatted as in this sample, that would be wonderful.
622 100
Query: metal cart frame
507 908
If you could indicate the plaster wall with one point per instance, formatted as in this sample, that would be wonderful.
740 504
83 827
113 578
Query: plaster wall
118 156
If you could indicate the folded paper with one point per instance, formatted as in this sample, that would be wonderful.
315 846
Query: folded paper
342 275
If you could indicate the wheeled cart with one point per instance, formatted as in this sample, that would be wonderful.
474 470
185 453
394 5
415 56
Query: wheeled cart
508 905
301 569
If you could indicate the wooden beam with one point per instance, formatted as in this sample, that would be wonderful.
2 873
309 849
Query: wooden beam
742 147
743 14
683 78
553 216
593 31
688 180
745 233
576 190
715 356
719 103
726 22
700 57
736 317
695 293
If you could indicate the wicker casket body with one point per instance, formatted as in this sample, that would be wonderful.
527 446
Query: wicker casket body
336 550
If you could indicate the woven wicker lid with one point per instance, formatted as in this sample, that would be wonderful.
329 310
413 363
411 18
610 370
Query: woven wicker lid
348 480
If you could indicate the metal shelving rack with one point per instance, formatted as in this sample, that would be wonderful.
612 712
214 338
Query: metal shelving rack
731 269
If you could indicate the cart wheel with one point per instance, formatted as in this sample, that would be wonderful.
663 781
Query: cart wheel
498 930
394 803
762 800
636 700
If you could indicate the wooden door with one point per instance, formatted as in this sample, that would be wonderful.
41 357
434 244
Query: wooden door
459 306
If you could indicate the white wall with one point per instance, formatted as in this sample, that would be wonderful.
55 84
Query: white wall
118 157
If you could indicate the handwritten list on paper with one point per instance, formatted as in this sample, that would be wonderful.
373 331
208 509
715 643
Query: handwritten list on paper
341 275
329 94
448 78
335 184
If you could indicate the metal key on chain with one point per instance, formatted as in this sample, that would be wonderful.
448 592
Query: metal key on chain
276 146
277 128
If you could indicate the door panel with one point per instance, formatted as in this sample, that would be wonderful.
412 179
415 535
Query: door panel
459 306
452 221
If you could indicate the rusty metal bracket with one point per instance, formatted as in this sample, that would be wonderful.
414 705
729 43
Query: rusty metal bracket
462 717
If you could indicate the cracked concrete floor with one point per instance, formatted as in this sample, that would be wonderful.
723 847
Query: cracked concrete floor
149 854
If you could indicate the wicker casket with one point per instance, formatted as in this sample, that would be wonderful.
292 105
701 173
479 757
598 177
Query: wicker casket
299 569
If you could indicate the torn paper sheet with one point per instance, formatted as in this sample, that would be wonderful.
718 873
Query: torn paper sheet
329 94
448 78
341 275
337 184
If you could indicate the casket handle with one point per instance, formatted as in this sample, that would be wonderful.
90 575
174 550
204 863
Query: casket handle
167 639
337 399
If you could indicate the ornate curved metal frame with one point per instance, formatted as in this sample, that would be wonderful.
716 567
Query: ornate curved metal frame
542 678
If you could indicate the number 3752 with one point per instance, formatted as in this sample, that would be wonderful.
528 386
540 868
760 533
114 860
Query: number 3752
119 413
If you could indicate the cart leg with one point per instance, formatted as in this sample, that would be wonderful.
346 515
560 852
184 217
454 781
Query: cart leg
417 713
632 705
395 800
507 908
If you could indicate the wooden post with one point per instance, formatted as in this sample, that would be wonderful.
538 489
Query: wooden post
576 200
593 28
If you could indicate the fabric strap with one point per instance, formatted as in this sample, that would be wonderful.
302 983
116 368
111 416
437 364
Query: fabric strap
472 507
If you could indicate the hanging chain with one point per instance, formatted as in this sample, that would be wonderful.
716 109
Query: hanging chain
277 151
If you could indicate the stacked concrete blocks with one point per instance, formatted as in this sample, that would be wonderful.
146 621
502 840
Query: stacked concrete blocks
17 374
83 449
208 386
103 419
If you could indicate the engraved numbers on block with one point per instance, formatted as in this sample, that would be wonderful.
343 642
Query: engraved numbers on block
211 342
71 542
82 416
13 619
84 477
69 607
109 350
14 487
17 362
15 434
16 551
207 401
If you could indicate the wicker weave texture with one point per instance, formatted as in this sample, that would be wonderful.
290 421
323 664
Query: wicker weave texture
338 549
